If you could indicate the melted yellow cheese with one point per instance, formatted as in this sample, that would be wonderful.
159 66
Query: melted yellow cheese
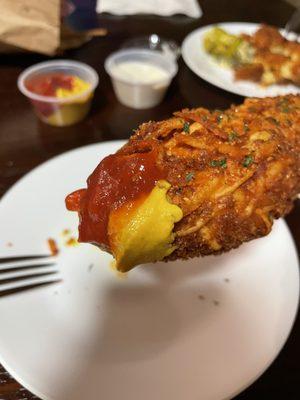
145 232
78 86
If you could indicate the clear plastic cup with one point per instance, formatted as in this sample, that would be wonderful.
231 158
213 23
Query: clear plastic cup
60 111
133 91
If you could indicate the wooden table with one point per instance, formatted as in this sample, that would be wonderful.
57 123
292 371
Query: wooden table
25 142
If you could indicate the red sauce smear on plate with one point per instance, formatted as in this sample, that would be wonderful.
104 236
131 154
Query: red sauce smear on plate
118 179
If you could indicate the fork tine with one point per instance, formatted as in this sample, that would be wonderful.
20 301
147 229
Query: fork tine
26 272
23 258
27 282
23 277
18 267
32 286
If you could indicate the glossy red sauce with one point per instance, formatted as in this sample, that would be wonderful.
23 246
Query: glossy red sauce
47 84
117 180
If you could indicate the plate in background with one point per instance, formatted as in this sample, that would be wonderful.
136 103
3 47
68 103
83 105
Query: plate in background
200 329
203 65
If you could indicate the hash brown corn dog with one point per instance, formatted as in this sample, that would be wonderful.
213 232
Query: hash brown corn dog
202 182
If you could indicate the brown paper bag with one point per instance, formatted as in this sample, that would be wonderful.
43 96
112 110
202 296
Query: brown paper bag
36 25
31 24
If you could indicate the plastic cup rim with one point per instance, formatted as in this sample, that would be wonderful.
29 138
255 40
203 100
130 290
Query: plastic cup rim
59 63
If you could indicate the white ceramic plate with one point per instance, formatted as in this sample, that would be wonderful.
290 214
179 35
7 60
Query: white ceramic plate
203 329
203 65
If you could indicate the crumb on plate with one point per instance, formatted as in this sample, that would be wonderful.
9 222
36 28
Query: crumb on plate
71 242
90 267
52 246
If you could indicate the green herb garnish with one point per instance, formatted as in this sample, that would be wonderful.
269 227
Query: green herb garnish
248 160
246 127
214 163
186 127
220 118
284 105
232 136
219 163
223 163
273 121
285 109
189 176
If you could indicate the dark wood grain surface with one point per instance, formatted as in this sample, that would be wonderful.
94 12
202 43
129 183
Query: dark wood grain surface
25 142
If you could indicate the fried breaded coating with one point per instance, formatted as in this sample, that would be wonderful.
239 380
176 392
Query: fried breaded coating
278 58
265 57
231 172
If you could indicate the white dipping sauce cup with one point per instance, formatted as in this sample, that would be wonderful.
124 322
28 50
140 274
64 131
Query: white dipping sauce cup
134 92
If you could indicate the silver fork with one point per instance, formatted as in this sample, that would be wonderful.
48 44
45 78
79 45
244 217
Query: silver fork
18 274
